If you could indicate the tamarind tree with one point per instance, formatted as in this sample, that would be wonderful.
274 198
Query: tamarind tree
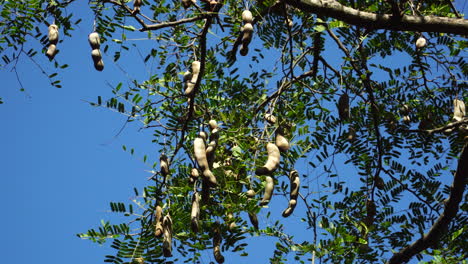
347 116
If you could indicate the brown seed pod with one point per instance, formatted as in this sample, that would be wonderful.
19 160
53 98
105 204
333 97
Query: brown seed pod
167 231
137 5
272 162
294 183
51 51
210 178
459 110
253 220
164 165
232 224
270 118
351 134
186 3
96 55
99 65
244 50
53 34
214 136
247 16
200 152
407 119
281 142
94 40
291 205
421 43
158 228
195 69
139 260
195 215
247 32
250 193
269 187
379 183
405 110
194 174
343 107
213 124
371 211
217 244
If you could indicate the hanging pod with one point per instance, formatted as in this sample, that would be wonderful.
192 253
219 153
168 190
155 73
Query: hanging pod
158 227
253 220
190 85
53 37
95 43
195 214
281 141
343 107
421 42
164 165
217 239
269 187
272 162
294 183
167 231
459 110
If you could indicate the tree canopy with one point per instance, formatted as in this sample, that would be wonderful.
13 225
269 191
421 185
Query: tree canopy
348 115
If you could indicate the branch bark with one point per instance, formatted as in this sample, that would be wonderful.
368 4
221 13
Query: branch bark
332 8
440 227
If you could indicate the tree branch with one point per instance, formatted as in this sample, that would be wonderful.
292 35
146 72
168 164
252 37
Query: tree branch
440 227
332 8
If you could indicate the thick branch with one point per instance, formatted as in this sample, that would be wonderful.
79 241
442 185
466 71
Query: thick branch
440 227
332 8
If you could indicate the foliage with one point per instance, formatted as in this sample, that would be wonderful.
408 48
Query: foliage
296 71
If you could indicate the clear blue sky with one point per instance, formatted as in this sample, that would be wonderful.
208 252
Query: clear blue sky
61 162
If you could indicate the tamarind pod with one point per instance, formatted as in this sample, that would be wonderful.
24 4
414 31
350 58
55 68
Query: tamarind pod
270 118
53 34
272 162
195 214
343 107
205 192
253 220
158 230
295 181
200 152
167 231
232 224
405 110
250 193
210 150
269 187
138 260
421 43
209 176
281 142
213 124
99 65
164 165
407 119
351 134
247 16
244 50
379 183
216 245
137 5
186 3
459 110
51 51
196 68
247 32
371 211
94 40
96 55
194 173
288 211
